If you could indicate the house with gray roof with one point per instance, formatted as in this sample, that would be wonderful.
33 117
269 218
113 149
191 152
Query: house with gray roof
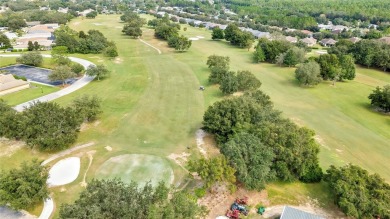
293 213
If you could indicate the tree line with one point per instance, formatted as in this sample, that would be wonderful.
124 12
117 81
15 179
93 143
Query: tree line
367 52
80 42
234 35
167 30
26 187
48 126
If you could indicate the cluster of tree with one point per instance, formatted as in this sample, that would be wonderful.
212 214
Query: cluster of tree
91 14
269 50
213 170
115 199
167 30
133 24
235 36
24 187
48 126
370 53
230 81
380 98
33 46
92 42
259 143
357 193
31 58
59 55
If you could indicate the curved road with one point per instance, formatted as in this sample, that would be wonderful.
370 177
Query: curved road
73 87
48 206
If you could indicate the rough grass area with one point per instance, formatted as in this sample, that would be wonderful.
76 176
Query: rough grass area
6 61
139 168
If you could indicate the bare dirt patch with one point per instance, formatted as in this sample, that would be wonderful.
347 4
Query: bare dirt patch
108 148
118 60
219 200
180 159
237 94
90 157
9 147
200 134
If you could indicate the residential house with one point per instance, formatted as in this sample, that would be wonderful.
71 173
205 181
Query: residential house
293 213
354 39
11 35
63 10
9 84
85 12
291 39
43 34
307 33
328 42
309 41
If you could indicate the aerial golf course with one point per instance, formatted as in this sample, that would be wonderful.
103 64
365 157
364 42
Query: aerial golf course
152 108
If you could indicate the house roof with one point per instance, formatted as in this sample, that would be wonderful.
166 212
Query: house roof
309 40
307 32
8 82
292 213
329 41
354 39
291 39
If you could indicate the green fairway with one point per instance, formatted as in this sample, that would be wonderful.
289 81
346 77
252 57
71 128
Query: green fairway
151 105
139 168
348 130
35 91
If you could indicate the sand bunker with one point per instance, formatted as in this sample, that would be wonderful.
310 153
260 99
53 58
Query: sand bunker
193 38
64 171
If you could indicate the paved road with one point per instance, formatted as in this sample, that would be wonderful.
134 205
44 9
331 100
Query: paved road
73 87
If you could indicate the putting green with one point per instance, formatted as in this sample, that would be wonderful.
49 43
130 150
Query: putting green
140 168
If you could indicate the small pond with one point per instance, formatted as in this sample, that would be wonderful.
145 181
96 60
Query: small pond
34 74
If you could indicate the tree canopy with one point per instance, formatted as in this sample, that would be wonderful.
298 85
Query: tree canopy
358 193
100 71
31 58
24 187
308 73
111 199
380 98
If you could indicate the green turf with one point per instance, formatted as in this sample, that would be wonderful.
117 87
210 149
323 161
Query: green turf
35 91
47 62
152 105
139 168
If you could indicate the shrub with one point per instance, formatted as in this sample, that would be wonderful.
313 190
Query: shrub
77 68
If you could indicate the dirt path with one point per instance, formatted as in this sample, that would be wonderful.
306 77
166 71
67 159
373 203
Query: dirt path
90 157
159 51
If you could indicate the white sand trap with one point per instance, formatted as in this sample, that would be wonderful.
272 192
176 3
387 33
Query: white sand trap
97 24
193 38
64 171
200 37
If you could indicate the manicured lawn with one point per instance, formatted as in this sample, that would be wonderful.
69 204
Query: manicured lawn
35 91
47 62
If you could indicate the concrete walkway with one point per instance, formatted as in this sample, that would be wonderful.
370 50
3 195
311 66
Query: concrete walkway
73 87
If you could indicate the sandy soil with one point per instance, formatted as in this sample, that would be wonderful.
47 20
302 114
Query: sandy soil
9 147
90 157
180 159
64 172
